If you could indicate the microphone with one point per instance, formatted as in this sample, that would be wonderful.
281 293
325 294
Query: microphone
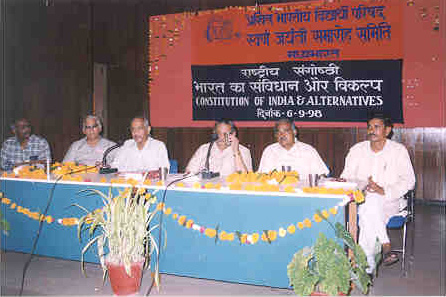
205 173
105 169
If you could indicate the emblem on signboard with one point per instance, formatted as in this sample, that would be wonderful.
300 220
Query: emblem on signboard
219 29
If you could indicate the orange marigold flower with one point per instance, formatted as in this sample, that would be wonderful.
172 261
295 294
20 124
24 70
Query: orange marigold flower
264 236
325 214
255 237
209 185
272 234
243 238
175 216
317 218
289 189
168 211
291 229
300 225
160 206
230 236
180 184
159 183
189 224
333 210
49 219
147 182
13 205
196 185
182 220
222 235
103 180
6 201
307 223
210 232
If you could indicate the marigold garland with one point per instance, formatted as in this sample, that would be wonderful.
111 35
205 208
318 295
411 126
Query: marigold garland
244 238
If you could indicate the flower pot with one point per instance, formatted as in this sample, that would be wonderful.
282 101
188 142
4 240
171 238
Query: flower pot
121 282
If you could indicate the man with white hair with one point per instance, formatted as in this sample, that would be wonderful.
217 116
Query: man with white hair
142 152
90 149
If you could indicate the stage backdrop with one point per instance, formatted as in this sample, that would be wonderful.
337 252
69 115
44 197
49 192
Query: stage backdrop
317 62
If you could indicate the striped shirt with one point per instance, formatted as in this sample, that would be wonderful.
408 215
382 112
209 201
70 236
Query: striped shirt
37 148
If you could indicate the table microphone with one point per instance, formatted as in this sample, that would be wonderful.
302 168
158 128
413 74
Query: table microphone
206 173
105 169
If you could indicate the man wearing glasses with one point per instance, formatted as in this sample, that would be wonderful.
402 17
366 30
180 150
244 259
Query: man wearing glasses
23 147
142 152
90 149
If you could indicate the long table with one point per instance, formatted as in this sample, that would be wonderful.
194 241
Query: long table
185 251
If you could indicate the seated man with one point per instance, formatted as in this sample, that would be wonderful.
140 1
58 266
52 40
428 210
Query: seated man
24 147
384 165
290 153
142 152
226 156
90 149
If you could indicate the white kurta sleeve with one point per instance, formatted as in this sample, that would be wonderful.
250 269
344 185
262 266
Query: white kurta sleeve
265 165
350 166
404 181
163 156
246 155
317 165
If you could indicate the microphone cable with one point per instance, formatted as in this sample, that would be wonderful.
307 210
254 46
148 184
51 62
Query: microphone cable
163 199
50 198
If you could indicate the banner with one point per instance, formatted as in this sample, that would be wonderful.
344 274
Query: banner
320 91
329 30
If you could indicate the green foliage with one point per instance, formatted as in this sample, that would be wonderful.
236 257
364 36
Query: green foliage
326 268
123 227
4 225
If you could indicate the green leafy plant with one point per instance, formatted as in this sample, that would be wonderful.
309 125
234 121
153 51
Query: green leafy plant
325 267
4 225
123 228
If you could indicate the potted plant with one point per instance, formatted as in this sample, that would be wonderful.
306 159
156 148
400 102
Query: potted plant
325 268
122 228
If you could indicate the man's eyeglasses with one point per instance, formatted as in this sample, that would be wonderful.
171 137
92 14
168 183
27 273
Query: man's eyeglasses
91 127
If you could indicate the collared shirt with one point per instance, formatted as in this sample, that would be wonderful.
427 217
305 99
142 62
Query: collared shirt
390 168
222 161
37 148
301 157
151 157
81 152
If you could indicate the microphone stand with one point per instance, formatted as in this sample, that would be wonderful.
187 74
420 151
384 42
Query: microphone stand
104 167
206 174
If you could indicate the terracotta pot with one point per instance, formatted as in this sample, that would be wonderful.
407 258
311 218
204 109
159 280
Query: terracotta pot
121 282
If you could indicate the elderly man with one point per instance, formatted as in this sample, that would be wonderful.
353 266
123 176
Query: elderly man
24 147
226 156
290 153
90 149
385 166
142 152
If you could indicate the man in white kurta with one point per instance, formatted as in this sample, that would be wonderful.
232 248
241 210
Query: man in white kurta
142 152
226 157
385 166
290 153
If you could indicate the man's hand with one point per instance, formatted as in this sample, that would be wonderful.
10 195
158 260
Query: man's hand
373 187
234 143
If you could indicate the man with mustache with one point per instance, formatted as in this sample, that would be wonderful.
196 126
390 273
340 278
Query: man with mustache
24 147
291 154
385 166
142 152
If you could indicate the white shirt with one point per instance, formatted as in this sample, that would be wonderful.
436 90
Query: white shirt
390 168
219 161
81 152
302 158
152 156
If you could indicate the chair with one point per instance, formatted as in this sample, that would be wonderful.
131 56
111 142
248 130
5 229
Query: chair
400 221
173 166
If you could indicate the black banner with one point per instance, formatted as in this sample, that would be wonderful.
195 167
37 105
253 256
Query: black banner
322 91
